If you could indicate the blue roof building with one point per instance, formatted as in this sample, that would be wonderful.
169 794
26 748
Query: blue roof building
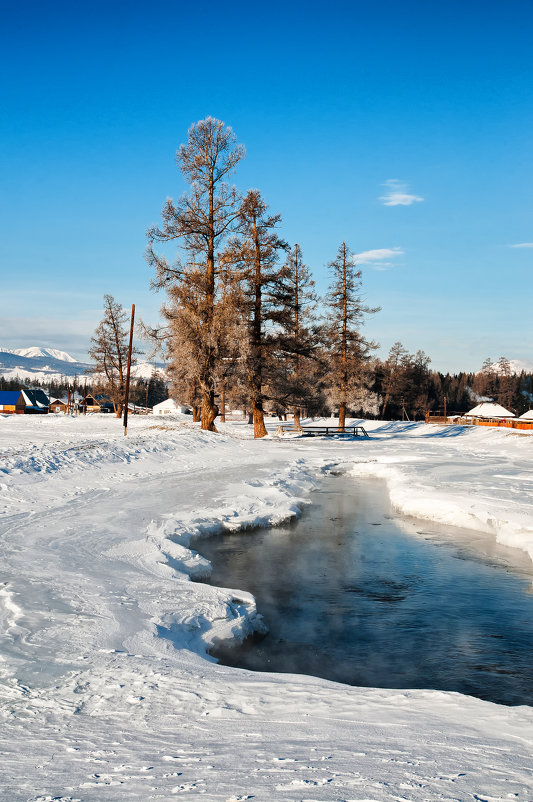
12 401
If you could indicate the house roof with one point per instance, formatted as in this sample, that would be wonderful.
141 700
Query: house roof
168 403
527 415
489 410
9 397
35 398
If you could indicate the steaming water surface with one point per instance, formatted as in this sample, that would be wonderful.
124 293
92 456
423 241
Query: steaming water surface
353 593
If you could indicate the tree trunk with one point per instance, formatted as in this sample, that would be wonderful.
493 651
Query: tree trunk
223 404
342 414
209 408
259 420
251 415
296 413
209 411
196 413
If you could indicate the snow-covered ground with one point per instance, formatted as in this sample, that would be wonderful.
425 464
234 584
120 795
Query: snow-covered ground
106 692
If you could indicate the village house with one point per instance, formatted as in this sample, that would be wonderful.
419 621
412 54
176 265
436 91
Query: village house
169 407
24 402
489 410
12 401
96 403
58 405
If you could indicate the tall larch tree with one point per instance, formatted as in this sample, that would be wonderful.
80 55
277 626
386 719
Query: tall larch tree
256 252
298 341
199 223
394 376
348 349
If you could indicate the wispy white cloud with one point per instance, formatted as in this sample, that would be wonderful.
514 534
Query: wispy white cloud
379 258
397 195
522 245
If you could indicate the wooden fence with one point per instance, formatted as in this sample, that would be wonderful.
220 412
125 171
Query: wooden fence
504 423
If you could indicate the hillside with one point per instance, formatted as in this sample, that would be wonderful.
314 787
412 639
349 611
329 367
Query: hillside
50 364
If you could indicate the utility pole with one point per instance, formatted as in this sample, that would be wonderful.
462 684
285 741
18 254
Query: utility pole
223 402
127 397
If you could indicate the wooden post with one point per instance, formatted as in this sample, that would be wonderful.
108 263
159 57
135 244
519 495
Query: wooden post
445 421
127 396
223 403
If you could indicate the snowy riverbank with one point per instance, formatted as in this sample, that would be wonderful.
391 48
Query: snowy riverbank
106 692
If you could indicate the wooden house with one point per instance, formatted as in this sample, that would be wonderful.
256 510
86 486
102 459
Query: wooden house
37 402
58 405
96 403
12 402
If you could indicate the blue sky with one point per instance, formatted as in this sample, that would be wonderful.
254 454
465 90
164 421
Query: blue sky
404 128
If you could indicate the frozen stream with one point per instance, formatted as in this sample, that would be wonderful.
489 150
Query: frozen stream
353 593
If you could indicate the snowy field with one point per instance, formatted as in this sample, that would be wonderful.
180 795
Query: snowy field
105 687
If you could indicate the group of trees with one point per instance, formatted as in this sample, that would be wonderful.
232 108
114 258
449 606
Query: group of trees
55 388
406 387
241 308
241 320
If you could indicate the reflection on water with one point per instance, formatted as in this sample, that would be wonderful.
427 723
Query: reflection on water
352 594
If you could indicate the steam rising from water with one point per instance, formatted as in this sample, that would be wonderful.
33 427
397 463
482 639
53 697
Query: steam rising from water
352 594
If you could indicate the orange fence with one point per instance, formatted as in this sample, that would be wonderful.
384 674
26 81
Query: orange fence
504 423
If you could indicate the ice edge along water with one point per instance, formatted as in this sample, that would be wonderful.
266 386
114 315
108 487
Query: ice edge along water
107 692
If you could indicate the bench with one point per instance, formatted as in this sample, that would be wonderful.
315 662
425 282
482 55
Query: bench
328 431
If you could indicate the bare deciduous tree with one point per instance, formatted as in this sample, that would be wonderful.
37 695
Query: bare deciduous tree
110 352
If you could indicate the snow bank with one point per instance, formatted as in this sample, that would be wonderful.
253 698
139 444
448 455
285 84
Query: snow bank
476 478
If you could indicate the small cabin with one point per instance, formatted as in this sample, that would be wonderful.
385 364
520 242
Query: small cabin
12 402
489 410
169 407
57 405
96 403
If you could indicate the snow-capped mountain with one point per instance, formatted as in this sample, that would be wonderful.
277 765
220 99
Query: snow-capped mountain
35 351
42 364
47 364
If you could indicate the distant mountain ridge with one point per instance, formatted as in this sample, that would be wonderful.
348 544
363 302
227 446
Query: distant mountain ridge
50 364
36 351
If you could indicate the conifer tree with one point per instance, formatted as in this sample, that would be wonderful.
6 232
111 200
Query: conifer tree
394 375
486 381
298 340
199 223
348 349
261 291
110 352
506 383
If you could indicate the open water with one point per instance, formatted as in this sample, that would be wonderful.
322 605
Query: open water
353 593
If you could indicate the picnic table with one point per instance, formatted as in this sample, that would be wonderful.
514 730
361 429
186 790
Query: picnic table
329 431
